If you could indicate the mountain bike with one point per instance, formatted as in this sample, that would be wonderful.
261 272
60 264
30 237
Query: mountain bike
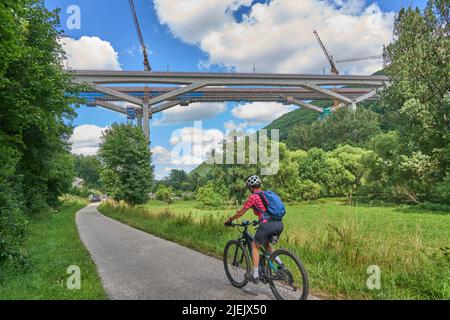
287 281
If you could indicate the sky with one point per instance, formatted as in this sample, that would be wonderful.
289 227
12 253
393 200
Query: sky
216 35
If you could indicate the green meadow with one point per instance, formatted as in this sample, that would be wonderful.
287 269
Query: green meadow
336 242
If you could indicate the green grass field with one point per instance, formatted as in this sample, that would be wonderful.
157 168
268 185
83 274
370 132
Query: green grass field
53 245
336 242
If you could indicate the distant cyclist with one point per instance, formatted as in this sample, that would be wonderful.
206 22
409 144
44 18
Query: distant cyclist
268 225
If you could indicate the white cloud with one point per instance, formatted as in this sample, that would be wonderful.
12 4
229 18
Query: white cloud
191 20
190 146
161 155
86 139
195 111
277 36
90 53
158 150
231 125
260 112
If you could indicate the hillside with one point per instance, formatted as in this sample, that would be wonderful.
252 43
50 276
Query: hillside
300 115
202 170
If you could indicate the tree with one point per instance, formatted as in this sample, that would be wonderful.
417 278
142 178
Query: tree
37 100
61 177
36 96
176 178
12 220
329 172
392 174
286 181
186 186
351 158
128 173
88 168
343 127
346 126
417 63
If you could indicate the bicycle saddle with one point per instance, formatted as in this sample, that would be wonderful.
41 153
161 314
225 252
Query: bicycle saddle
274 238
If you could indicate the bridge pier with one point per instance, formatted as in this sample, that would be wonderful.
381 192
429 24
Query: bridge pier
146 119
139 120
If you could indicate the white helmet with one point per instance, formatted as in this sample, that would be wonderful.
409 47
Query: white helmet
253 181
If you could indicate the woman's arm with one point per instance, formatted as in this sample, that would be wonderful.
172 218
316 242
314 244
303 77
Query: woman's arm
238 214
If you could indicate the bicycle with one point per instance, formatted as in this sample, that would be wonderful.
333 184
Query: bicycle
285 280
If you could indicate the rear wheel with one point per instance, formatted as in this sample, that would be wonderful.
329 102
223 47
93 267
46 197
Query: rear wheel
236 262
288 281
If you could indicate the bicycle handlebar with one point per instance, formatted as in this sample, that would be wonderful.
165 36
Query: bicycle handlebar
244 224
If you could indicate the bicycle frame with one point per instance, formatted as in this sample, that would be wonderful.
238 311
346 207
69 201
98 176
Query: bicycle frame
247 239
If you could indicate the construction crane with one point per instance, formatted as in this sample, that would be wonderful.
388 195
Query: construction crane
333 63
145 115
334 70
141 39
360 59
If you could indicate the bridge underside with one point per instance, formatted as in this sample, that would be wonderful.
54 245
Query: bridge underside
187 88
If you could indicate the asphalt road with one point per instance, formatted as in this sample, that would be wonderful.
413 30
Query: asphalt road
136 265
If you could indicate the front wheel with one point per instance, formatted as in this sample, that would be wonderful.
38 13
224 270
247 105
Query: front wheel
236 262
288 280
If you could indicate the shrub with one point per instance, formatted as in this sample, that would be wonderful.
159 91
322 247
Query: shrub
12 220
309 190
212 194
165 194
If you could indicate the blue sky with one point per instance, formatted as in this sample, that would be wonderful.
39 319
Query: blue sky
201 37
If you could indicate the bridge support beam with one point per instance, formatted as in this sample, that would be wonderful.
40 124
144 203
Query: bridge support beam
116 94
111 106
366 96
176 93
304 104
328 93
164 106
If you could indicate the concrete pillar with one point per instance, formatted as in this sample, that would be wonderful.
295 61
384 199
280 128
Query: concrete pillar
353 107
139 120
146 119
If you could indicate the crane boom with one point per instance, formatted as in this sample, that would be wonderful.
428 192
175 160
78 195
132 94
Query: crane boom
334 70
141 38
359 59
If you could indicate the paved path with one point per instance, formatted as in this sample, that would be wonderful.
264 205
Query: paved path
136 265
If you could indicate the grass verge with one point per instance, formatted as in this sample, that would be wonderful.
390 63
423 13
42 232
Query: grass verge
53 245
338 244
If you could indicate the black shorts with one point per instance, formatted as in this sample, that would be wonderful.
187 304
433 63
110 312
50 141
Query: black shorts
266 230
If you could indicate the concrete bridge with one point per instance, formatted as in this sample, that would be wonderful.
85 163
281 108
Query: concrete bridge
192 87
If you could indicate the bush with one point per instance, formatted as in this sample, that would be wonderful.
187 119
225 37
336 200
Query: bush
12 219
186 196
435 206
441 192
309 190
212 194
165 194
